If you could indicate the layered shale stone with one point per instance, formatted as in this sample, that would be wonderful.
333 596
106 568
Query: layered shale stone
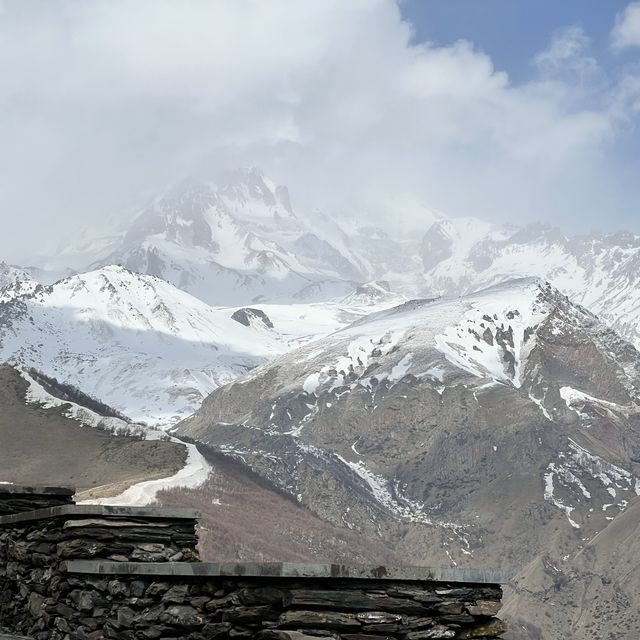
88 573
353 600
322 619
16 499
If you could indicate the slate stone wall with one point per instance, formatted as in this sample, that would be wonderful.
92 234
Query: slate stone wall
18 499
64 535
83 573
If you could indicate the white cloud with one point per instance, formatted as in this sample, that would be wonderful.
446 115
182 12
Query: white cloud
104 101
626 31
567 53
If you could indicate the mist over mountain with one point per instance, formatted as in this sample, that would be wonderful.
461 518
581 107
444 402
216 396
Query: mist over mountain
352 107
243 242
465 394
358 280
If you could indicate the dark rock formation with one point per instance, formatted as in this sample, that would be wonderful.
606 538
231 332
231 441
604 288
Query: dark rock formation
248 316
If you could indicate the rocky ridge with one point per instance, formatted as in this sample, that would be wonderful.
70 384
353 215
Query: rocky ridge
598 271
492 427
46 440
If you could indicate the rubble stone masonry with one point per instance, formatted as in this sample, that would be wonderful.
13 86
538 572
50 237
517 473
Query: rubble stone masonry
88 572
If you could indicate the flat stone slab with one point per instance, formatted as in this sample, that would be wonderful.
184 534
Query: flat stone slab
289 570
13 489
84 510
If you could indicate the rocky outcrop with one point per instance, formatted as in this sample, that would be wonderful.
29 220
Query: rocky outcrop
491 428
436 246
249 316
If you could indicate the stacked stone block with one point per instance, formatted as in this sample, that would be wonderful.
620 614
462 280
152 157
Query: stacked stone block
15 499
87 573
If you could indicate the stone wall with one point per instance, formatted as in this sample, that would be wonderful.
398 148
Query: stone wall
48 536
15 499
82 572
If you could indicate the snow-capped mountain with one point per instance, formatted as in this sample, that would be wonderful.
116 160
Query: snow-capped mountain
231 242
238 240
135 342
149 349
600 272
456 429
482 418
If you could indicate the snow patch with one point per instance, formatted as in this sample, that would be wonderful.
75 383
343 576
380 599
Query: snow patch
496 333
36 394
192 475
549 495
574 468
400 370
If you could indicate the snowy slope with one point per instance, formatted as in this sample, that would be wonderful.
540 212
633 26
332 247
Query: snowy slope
488 335
135 342
232 241
600 272
194 473
146 348
37 394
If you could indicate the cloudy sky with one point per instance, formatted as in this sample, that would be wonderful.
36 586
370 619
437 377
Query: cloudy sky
504 109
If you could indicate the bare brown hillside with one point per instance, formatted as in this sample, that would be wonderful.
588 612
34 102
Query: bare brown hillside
245 518
591 595
41 446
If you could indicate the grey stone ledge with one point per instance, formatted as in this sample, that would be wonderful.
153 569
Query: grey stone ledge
16 489
4 636
82 510
288 570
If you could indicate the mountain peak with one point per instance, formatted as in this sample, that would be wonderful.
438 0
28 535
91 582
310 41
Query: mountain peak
133 340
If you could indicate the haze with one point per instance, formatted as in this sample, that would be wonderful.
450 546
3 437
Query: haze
102 104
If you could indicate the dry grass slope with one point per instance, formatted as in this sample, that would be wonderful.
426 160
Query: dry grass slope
244 518
41 446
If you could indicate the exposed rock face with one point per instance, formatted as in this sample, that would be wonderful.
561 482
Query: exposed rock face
594 590
436 246
248 316
486 427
